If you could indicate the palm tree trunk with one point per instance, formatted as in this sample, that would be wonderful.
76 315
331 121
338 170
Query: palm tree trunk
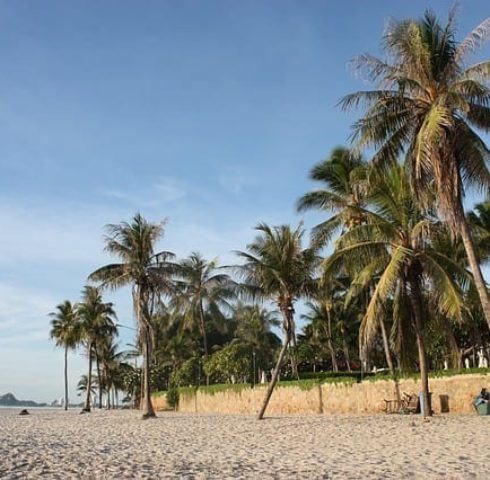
389 360
143 322
294 358
454 350
275 374
415 303
86 408
204 337
66 378
345 347
101 383
335 367
469 247
148 410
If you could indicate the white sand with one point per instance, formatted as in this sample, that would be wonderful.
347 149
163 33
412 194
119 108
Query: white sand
117 444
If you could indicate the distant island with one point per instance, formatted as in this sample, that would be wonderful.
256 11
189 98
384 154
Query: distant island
9 400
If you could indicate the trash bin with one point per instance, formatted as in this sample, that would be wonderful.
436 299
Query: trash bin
444 400
421 403
483 409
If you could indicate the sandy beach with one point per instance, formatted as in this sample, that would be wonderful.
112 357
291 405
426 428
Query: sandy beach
117 444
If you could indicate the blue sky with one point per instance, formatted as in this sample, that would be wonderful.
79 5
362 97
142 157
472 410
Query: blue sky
209 113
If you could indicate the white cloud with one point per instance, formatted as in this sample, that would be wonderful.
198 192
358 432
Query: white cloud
162 192
23 314
235 178
48 248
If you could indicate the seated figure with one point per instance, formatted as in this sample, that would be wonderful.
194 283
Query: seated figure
484 397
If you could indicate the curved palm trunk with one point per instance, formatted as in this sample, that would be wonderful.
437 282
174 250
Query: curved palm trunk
86 408
287 314
454 350
469 247
66 378
275 375
415 303
389 360
293 354
335 367
345 347
148 410
204 337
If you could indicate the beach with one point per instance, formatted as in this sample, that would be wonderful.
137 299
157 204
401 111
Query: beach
118 444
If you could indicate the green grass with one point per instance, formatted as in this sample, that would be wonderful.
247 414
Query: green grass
309 381
432 374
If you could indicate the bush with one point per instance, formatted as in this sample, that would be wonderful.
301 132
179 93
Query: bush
173 397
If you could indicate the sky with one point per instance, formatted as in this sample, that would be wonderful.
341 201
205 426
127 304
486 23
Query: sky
207 113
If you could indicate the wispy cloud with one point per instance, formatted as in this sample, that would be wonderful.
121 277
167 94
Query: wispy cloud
235 178
162 192
23 315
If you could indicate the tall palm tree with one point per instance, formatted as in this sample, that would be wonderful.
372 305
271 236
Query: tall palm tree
344 176
276 267
148 273
203 289
429 105
394 252
97 324
66 333
110 359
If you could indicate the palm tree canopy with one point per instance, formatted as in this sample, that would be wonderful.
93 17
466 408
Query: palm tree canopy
201 284
98 319
133 243
277 266
398 241
343 176
65 327
428 105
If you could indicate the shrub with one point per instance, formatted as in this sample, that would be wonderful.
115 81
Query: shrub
173 397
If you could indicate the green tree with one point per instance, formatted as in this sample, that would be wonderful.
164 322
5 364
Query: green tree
253 328
343 176
150 274
203 289
97 323
66 333
319 316
429 105
229 364
393 251
277 268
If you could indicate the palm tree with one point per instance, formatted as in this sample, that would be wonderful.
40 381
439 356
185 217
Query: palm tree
66 333
394 252
343 175
319 316
278 268
253 328
345 178
202 290
149 274
428 105
97 324
110 360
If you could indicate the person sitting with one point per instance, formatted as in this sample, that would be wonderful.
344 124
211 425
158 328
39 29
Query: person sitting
484 397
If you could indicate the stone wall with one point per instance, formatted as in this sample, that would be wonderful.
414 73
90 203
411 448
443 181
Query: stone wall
160 402
366 397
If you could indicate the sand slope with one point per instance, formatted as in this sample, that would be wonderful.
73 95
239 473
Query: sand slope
117 444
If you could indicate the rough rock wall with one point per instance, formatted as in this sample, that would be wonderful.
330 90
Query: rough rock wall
366 397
